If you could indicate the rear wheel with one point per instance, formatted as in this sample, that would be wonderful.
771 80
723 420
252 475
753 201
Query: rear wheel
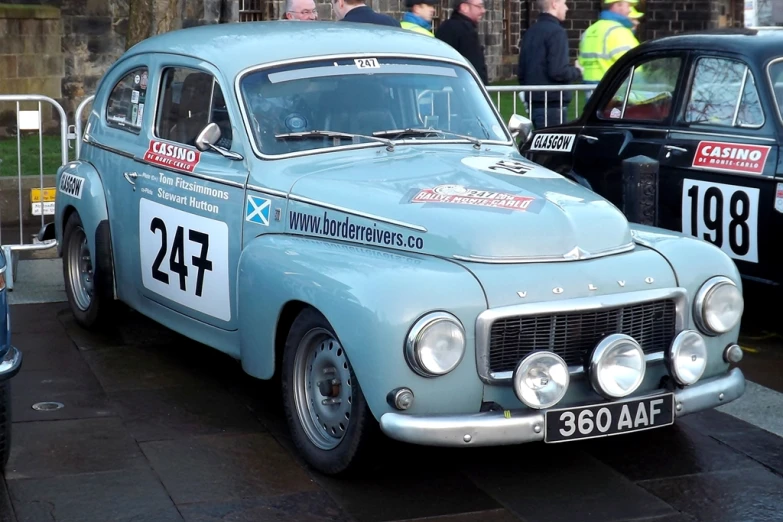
327 414
88 287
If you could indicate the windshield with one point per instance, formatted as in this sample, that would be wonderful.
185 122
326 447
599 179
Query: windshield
362 97
775 71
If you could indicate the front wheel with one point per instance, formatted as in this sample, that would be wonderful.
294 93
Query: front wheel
327 414
87 285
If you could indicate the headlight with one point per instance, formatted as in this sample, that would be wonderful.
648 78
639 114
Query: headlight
687 357
718 306
435 345
617 366
541 379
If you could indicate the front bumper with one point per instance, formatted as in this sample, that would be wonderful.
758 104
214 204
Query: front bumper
10 364
494 428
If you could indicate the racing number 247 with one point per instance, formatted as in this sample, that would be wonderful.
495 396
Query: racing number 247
177 263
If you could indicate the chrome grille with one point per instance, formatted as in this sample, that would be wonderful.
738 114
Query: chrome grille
573 335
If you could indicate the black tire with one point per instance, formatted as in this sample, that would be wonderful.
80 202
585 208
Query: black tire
90 306
5 422
347 456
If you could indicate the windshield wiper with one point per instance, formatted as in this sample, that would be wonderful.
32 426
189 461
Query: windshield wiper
334 134
398 133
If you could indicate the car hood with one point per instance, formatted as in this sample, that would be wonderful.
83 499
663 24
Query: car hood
461 203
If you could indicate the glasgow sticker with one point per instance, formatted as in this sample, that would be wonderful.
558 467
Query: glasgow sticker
72 185
553 142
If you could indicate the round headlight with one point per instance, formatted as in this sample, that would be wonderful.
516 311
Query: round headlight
435 345
541 379
687 357
617 366
718 306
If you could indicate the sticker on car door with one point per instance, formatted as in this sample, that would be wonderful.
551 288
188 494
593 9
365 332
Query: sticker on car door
724 215
184 257
553 142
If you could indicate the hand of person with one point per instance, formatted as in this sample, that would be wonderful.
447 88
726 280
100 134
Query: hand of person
576 64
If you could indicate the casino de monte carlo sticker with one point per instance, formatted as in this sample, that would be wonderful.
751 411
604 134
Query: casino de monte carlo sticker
731 157
459 195
172 156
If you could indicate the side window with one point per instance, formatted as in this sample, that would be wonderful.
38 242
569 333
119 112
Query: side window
125 107
189 100
650 95
723 92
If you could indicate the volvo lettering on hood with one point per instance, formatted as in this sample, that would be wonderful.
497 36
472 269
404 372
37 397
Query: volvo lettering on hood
172 156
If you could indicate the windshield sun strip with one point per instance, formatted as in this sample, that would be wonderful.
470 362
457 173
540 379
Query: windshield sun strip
348 70
293 61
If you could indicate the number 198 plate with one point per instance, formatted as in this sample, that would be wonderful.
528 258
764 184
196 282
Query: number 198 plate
611 418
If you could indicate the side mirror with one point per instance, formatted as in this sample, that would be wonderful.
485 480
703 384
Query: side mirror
520 125
210 135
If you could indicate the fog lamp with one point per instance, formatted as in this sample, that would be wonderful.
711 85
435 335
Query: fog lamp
541 379
687 357
617 366
733 353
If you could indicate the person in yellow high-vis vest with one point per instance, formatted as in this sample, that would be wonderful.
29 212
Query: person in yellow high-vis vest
418 17
604 42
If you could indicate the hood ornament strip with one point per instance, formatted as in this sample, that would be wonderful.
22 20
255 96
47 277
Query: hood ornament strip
576 254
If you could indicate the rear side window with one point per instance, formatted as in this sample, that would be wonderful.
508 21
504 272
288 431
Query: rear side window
723 93
125 107
189 100
647 92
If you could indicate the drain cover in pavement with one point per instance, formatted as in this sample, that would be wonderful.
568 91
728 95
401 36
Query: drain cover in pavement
48 406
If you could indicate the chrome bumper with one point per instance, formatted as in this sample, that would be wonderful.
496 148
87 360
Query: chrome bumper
495 429
10 364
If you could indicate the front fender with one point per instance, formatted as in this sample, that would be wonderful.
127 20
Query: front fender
89 201
371 298
694 262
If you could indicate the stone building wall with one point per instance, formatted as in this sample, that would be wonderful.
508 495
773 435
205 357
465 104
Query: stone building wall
31 58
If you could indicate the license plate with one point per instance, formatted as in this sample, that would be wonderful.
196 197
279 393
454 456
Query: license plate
614 418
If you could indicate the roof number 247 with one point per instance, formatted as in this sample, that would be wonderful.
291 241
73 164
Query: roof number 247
724 215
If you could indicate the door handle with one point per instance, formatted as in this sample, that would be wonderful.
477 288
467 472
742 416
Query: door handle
672 147
588 138
130 178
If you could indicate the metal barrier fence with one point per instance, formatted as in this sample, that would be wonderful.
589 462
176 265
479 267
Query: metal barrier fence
30 120
78 123
527 101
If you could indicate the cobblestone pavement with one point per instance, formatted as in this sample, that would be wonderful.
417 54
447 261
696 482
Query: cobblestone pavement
158 428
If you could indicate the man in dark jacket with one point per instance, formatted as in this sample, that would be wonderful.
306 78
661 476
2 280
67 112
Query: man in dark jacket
461 32
358 11
543 60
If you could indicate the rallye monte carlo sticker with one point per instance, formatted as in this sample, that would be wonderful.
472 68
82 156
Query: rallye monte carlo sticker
171 156
459 195
731 157
553 142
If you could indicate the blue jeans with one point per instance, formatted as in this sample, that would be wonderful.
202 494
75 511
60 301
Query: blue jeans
553 115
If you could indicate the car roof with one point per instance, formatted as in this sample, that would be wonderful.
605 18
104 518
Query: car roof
758 43
235 46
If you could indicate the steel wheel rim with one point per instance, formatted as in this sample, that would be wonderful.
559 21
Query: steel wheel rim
322 388
80 273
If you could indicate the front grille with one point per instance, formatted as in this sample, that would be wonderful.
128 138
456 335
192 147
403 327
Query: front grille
573 335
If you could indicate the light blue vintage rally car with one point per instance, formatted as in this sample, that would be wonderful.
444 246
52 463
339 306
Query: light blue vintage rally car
340 204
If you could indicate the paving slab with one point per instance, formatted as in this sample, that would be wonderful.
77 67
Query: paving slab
116 496
219 468
724 496
315 506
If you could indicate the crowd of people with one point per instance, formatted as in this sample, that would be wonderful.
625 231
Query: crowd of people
543 53
543 49
460 30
